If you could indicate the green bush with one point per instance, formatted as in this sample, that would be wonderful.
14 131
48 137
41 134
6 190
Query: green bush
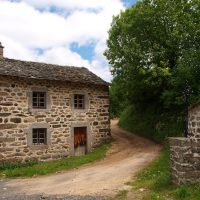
151 124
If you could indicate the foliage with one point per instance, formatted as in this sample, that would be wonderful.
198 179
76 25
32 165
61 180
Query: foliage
150 124
155 180
117 99
153 48
42 168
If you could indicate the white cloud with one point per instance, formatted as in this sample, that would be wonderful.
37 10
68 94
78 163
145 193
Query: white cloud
62 56
30 27
27 25
79 4
14 49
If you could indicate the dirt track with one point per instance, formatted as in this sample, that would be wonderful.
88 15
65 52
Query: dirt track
128 154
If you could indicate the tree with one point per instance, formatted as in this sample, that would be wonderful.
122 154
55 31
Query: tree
117 98
153 49
148 45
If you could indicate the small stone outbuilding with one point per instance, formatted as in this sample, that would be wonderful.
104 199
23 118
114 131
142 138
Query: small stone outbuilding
50 111
185 152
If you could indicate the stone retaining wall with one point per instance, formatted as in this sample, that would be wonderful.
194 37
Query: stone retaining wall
194 122
185 160
17 118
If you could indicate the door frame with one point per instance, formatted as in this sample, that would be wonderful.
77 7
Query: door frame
88 136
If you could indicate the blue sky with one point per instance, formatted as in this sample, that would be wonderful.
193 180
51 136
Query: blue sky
128 3
85 51
65 32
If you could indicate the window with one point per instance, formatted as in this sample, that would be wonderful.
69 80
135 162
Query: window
39 100
79 101
39 136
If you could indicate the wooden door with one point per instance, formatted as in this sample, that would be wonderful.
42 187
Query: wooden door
80 140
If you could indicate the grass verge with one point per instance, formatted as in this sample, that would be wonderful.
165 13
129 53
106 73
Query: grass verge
43 168
155 182
121 195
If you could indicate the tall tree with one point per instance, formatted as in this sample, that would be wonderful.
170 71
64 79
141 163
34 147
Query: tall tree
153 49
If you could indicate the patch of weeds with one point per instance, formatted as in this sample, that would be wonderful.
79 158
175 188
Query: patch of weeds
181 193
157 175
14 165
43 168
121 195
153 196
187 192
155 179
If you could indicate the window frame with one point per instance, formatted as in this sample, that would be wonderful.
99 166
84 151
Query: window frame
29 132
79 101
33 109
38 132
86 100
38 99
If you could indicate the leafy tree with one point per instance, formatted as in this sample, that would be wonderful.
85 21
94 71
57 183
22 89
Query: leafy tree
154 51
117 98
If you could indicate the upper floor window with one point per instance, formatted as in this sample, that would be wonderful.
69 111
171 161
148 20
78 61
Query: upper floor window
79 101
39 100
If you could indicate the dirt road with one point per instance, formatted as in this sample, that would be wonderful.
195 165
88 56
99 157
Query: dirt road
128 154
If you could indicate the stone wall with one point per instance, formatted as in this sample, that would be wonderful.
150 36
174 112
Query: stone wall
194 122
16 118
185 152
185 160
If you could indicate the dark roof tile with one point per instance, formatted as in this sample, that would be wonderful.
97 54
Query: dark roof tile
36 70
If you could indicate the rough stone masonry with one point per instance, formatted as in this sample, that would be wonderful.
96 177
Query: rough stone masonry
18 80
185 152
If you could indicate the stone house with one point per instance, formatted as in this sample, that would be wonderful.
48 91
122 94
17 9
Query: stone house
50 111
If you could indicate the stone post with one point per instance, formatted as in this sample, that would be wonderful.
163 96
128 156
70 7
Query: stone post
185 160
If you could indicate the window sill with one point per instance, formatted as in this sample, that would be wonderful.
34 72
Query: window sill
80 110
39 146
35 110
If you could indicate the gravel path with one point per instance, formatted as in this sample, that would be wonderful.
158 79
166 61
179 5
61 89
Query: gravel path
52 197
128 154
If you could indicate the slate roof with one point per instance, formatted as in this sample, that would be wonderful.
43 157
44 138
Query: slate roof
43 71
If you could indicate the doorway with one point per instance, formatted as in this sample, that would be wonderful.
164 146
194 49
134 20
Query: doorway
80 141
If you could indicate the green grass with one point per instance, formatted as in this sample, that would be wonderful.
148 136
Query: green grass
43 168
121 195
155 179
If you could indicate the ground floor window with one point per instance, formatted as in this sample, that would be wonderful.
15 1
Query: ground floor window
39 136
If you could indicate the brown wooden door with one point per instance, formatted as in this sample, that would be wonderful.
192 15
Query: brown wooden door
80 140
